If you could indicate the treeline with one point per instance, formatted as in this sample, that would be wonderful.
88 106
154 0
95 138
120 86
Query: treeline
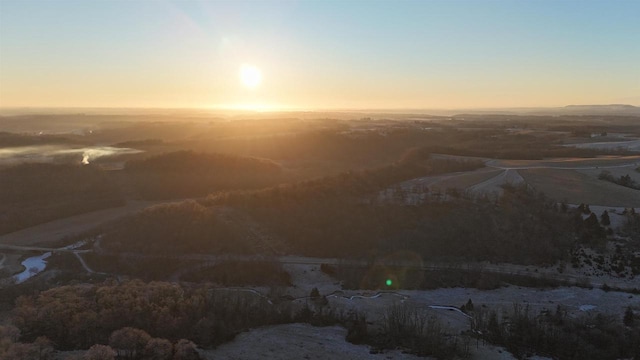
557 335
344 149
141 143
126 344
173 229
323 152
8 139
632 225
623 180
200 163
76 317
126 318
137 320
502 145
455 275
36 193
317 219
349 186
187 174
408 327
241 273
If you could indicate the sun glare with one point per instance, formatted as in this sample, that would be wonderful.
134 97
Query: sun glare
259 107
250 76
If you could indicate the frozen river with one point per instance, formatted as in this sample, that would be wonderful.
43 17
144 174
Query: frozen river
33 265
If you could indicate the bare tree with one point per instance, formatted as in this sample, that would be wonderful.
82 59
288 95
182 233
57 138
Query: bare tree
129 342
100 352
158 349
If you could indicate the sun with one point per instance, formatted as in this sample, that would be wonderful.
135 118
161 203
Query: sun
250 76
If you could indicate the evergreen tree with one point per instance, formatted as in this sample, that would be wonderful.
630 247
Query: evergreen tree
468 306
314 293
591 222
604 218
628 317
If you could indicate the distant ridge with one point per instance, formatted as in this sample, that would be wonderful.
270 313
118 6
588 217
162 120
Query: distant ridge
611 106
608 109
573 109
579 110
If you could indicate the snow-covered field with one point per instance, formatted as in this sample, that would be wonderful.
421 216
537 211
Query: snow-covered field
631 145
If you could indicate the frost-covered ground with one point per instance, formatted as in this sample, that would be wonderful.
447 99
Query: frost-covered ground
303 341
631 145
297 341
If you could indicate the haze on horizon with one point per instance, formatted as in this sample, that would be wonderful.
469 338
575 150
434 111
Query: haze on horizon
318 55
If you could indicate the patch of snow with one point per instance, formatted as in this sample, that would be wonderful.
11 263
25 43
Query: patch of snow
75 245
633 145
450 308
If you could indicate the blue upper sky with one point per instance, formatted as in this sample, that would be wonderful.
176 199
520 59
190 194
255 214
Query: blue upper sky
319 54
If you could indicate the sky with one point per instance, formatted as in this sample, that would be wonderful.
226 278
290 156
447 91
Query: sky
319 54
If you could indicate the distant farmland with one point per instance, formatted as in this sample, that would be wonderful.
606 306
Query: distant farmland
576 187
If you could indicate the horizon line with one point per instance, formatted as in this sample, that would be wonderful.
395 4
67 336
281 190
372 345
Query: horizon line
302 109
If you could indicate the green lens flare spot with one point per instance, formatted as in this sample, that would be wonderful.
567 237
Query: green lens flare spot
389 282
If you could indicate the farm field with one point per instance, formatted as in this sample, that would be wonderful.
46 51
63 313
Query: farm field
616 172
575 187
631 145
574 180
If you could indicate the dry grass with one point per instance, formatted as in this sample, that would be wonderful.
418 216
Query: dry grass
10 263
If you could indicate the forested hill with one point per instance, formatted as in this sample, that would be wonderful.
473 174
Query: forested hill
190 161
188 173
